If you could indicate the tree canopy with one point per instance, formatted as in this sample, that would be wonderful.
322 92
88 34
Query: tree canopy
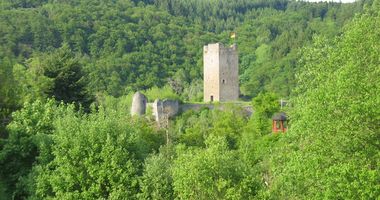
68 70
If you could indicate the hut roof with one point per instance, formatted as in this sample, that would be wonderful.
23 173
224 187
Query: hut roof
279 116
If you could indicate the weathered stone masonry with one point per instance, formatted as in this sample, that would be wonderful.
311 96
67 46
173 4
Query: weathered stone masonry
221 73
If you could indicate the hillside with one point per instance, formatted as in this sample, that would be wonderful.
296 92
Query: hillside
123 46
68 70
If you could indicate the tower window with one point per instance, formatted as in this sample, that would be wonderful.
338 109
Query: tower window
223 81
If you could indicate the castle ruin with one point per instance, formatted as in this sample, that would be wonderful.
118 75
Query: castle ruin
221 73
221 83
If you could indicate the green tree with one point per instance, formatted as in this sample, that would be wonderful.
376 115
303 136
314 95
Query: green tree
333 144
9 97
65 69
264 105
157 180
58 74
211 173
29 131
95 156
191 128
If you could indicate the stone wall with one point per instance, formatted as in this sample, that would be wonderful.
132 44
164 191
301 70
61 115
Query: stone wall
164 109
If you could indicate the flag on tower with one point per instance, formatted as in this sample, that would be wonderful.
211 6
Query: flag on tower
233 35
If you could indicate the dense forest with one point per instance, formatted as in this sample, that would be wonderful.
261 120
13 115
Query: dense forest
68 70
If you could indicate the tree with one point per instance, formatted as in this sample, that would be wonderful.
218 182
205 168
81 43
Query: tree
58 74
211 173
29 131
265 106
66 71
95 156
9 100
333 142
157 180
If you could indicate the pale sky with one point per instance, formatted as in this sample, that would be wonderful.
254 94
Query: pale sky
343 1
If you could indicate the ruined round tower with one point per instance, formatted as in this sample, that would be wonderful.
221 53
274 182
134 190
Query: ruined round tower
138 104
221 73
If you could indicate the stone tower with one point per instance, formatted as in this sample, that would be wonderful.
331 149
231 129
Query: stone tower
221 73
138 104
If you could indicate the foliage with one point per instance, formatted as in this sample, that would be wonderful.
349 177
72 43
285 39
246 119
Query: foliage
192 128
157 180
211 173
228 122
109 103
46 140
57 74
100 52
333 145
160 93
194 91
266 105
125 46
29 131
95 156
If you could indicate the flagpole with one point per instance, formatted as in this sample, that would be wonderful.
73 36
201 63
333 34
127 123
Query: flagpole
235 36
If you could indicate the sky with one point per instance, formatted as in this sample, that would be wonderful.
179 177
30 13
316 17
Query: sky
343 1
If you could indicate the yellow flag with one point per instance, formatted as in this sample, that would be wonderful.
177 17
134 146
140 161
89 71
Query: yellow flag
233 35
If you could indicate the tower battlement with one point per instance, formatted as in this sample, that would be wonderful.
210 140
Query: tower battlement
221 73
